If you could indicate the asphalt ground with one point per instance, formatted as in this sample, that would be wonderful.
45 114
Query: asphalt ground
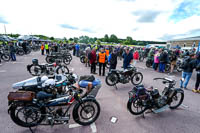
185 119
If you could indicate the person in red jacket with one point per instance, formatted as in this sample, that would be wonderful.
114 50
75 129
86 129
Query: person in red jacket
93 60
135 57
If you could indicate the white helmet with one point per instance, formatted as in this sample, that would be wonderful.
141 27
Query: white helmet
49 82
44 78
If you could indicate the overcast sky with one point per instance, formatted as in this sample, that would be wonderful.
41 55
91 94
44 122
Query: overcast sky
141 19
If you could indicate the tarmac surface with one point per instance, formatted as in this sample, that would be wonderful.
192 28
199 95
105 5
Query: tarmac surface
185 119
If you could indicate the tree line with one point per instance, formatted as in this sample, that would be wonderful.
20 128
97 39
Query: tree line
112 39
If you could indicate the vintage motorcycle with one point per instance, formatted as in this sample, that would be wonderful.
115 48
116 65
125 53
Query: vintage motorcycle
28 110
64 57
49 69
141 99
124 76
5 56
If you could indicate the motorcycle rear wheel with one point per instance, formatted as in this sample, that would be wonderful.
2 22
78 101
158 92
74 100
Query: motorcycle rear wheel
30 115
111 79
135 104
5 57
35 70
62 70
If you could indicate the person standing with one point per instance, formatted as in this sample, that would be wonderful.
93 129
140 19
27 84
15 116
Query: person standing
42 49
77 50
47 48
12 52
112 59
136 57
173 61
128 58
156 61
87 51
188 65
74 49
93 60
102 61
197 89
163 60
24 45
107 52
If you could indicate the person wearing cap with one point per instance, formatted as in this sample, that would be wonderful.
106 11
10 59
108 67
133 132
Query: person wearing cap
128 58
102 61
112 59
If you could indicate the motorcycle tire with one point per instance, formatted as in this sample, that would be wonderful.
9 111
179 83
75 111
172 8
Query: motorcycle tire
66 61
35 70
89 107
50 59
14 111
113 78
62 70
5 57
82 59
133 103
148 64
138 76
175 98
20 52
179 69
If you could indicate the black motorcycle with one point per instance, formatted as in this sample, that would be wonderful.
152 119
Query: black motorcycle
64 57
141 99
27 109
49 69
124 76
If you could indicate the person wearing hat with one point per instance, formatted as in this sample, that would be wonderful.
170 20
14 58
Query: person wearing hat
112 59
128 58
102 61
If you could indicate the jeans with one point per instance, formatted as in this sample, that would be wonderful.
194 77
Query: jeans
161 67
77 53
13 57
197 81
186 76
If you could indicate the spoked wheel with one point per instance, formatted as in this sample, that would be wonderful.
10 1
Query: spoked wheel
27 116
177 100
135 106
111 79
148 63
62 70
86 112
82 59
50 60
20 52
35 70
137 78
66 61
5 57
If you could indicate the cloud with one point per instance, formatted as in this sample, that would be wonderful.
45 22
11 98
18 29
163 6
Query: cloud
68 26
88 30
3 21
147 16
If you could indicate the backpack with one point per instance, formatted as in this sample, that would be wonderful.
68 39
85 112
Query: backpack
90 55
90 78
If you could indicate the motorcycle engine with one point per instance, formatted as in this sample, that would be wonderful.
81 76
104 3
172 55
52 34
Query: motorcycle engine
160 101
124 79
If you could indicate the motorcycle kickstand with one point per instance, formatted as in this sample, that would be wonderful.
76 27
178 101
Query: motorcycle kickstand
31 129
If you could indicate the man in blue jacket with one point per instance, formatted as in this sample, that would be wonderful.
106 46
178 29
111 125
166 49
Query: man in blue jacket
128 58
77 50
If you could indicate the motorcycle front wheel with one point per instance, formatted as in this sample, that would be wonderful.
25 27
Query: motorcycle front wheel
20 52
66 61
137 78
177 100
135 106
62 70
35 70
148 64
86 112
111 79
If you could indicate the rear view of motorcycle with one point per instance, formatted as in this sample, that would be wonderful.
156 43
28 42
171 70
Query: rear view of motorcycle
142 99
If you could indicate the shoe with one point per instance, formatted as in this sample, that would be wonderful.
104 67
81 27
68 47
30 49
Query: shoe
195 91
185 88
198 91
94 73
